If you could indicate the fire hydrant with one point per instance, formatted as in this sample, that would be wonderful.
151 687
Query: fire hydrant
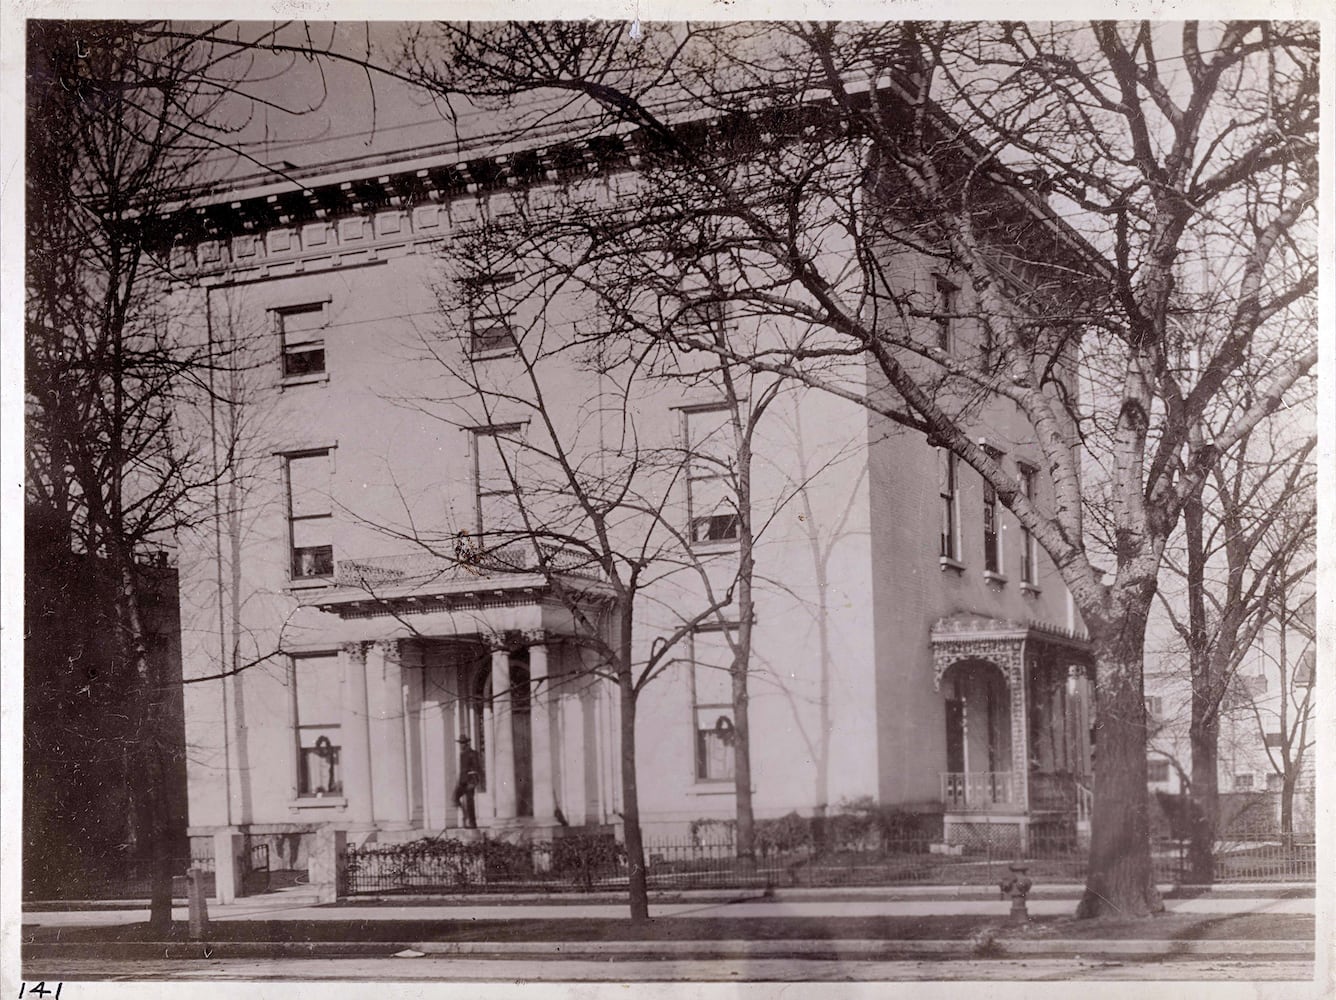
1017 887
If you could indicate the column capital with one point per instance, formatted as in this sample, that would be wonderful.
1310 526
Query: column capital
357 650
536 637
389 649
496 642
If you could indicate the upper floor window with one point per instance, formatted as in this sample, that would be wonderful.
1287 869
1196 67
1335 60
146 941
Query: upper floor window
1154 707
712 507
310 514
496 463
699 304
318 680
712 680
992 522
301 330
1243 782
948 301
491 313
947 488
1157 770
1029 552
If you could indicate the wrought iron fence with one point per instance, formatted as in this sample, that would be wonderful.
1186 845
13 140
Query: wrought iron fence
592 863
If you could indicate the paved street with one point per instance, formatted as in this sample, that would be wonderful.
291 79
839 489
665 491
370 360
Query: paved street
388 970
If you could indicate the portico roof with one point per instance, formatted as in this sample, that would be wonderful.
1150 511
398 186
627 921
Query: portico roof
419 583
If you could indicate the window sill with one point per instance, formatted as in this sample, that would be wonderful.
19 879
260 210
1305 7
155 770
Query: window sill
991 577
314 583
723 786
319 802
313 379
722 545
1030 588
946 562
500 352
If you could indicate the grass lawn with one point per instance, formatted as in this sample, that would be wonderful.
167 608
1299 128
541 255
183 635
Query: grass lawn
1177 926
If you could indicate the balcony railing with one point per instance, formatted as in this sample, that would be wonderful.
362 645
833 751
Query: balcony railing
980 791
473 557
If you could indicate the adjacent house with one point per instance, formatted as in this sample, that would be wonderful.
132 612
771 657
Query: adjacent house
364 592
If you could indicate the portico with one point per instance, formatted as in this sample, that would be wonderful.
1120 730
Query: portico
1017 700
432 651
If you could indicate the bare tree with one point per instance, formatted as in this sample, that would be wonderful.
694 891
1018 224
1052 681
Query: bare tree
583 493
832 153
1284 724
1247 536
108 459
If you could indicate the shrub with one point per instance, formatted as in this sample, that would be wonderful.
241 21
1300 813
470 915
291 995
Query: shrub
784 835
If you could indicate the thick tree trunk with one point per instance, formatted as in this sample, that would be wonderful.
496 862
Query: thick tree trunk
1120 879
1204 800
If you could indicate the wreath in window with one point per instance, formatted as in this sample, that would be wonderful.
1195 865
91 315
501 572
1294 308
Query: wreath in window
723 728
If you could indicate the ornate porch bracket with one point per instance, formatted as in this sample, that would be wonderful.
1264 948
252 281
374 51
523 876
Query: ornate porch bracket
968 638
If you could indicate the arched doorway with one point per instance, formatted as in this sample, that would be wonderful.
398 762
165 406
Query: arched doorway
978 772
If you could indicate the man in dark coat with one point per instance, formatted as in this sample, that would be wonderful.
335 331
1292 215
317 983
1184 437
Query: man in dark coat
470 777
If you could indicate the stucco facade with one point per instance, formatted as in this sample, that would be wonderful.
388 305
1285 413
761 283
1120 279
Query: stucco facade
335 589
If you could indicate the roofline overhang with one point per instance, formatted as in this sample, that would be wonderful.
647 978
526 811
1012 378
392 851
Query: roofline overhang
514 589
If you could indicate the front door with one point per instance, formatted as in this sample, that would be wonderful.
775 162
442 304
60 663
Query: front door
522 735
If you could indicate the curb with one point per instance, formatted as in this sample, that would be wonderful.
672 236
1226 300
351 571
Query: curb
1000 947
968 892
856 950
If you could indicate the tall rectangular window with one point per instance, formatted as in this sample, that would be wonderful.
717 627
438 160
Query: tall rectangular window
302 332
497 452
318 680
712 505
992 522
1029 553
946 474
700 308
491 313
712 661
948 300
310 515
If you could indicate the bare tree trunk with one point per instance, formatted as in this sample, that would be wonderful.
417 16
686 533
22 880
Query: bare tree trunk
150 750
746 825
1204 740
638 886
1287 783
1120 880
1204 725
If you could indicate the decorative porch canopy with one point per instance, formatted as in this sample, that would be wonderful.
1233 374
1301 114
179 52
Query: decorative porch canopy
998 640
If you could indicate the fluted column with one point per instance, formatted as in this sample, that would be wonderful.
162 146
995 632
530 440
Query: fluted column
502 782
389 762
355 755
540 708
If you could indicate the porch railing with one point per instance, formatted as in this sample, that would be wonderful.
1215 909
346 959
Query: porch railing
470 557
979 791
1085 803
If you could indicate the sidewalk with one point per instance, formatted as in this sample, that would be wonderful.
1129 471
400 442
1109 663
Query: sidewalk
857 925
908 901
